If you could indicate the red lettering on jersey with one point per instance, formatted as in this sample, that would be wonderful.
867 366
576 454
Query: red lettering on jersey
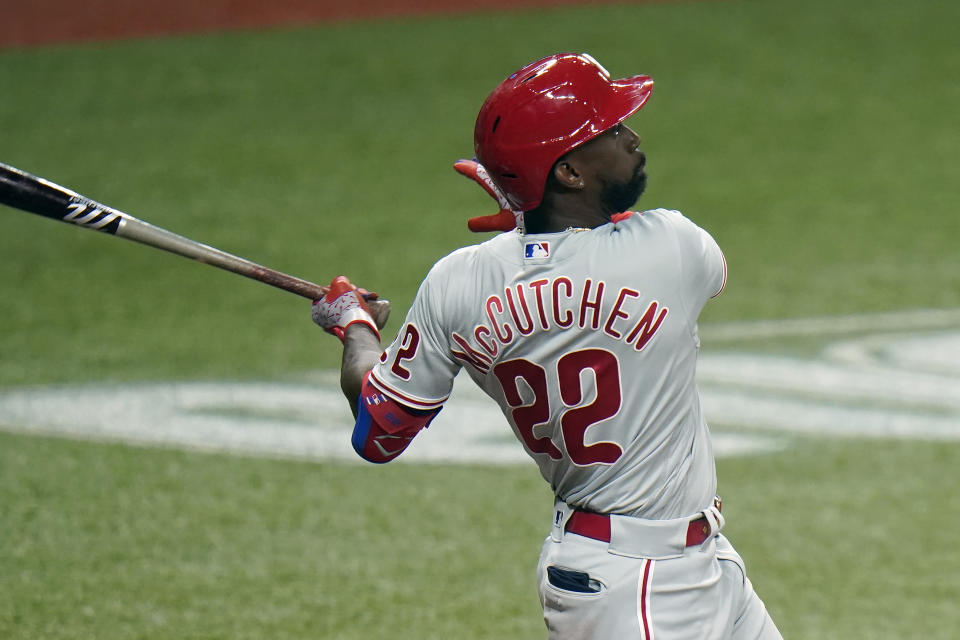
524 330
512 315
568 315
537 286
527 417
407 351
531 415
470 355
490 347
507 334
593 305
617 313
647 325
577 420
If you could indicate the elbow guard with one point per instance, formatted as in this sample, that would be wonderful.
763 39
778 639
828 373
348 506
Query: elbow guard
385 428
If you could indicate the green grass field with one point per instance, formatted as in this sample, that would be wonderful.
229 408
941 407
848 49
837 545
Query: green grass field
815 140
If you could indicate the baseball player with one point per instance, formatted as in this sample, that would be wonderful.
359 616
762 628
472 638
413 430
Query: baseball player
581 324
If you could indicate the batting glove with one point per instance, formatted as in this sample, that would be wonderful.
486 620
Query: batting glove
341 307
504 220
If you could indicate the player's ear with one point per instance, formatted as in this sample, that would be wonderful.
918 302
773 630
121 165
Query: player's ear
566 174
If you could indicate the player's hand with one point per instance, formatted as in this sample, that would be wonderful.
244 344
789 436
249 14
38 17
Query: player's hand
344 305
380 310
378 307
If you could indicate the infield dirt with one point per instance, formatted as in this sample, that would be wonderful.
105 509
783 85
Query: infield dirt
52 21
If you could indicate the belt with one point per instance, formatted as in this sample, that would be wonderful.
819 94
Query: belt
597 526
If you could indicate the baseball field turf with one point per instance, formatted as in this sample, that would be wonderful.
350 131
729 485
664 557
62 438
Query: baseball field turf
816 141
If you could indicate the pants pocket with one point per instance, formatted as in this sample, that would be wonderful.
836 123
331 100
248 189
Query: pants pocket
572 580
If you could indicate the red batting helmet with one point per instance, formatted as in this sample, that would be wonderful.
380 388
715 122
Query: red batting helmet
543 111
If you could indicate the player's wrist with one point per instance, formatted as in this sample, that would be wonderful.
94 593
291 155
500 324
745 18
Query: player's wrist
361 325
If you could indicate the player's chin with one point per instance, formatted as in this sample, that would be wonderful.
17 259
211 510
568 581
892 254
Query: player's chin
617 197
635 188
640 182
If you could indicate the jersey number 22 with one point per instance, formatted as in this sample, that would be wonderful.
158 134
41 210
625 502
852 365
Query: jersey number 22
575 420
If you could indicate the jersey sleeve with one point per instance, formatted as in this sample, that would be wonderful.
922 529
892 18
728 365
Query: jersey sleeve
417 369
703 266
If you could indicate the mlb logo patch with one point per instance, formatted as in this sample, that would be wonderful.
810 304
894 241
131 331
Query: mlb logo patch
536 250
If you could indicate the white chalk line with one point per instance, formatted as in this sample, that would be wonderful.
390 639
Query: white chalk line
277 420
892 321
872 382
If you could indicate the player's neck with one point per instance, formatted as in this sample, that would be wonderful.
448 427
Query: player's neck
556 216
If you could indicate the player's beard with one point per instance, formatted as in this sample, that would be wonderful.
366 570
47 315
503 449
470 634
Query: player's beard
616 197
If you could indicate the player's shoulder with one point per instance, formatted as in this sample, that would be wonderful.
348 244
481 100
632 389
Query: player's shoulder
651 219
652 216
464 262
458 258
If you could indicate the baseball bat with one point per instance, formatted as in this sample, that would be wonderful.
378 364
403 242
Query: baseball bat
20 190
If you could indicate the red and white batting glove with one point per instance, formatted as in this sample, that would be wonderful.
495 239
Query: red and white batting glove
504 220
341 307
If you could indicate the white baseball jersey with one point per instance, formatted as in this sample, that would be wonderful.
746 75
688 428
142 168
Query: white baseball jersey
587 339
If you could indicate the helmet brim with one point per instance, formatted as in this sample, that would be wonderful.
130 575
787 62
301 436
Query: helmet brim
627 96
